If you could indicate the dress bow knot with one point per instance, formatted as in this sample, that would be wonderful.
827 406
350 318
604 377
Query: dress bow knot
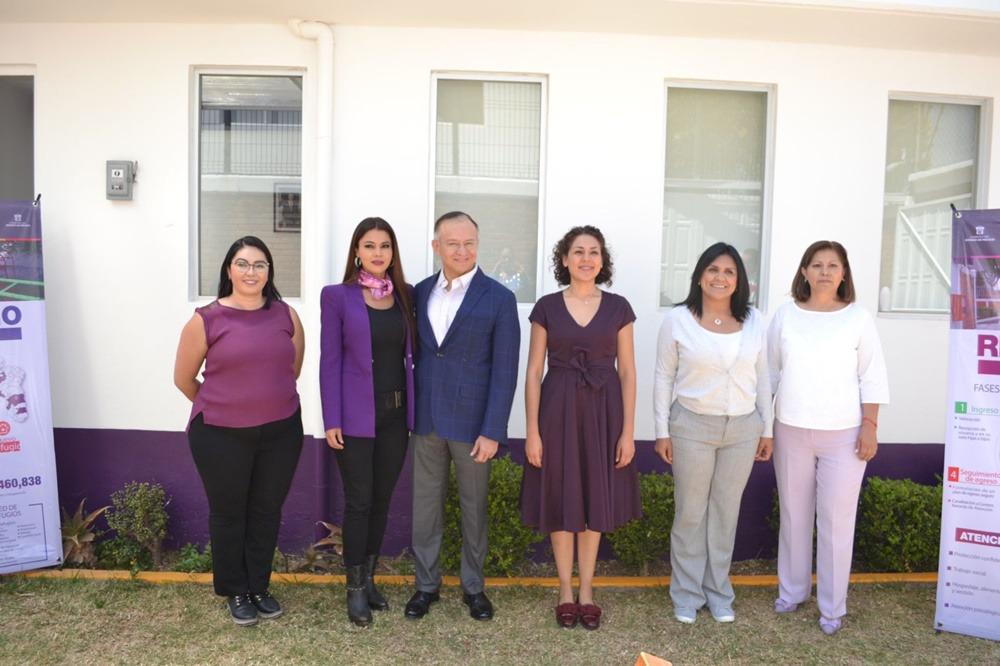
587 374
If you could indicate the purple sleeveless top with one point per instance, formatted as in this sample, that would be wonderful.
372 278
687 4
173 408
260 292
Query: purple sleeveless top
248 378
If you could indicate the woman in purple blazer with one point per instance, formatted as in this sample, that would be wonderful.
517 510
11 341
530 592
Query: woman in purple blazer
366 383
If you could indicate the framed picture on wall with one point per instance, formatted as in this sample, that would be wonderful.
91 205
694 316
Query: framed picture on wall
288 207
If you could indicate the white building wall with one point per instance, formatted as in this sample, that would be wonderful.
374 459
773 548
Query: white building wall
118 273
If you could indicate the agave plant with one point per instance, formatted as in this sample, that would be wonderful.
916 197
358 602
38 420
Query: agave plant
314 560
333 539
78 535
317 556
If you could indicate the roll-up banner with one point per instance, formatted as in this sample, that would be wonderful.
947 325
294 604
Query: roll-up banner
968 593
29 504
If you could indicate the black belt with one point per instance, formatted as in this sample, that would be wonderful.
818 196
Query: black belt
390 399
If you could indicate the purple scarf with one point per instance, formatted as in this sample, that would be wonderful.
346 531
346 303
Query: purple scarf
379 287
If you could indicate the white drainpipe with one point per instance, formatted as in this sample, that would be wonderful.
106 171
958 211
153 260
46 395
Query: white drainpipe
322 254
323 34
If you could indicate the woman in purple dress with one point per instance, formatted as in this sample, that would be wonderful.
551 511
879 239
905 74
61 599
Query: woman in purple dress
580 480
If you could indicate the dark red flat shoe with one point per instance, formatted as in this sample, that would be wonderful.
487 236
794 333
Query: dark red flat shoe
590 616
567 615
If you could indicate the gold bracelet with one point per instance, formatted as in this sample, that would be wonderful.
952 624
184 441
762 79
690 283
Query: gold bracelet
872 421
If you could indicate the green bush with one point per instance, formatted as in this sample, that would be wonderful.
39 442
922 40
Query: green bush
510 539
647 539
899 526
123 553
189 559
139 513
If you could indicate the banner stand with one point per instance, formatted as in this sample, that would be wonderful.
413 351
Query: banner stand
968 592
30 535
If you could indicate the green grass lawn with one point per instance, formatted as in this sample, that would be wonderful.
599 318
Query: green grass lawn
84 622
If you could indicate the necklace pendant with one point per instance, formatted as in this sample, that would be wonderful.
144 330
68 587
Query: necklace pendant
717 322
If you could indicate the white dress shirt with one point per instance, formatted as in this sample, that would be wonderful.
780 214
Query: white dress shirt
444 302
711 373
824 365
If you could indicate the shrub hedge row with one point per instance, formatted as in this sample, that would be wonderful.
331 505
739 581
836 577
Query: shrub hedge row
898 525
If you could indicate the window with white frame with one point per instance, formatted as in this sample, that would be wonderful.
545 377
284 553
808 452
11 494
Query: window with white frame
249 172
715 185
17 136
931 163
487 163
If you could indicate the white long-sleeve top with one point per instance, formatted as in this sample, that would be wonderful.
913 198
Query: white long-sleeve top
695 367
824 365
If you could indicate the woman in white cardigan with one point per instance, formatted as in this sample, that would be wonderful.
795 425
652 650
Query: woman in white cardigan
712 404
829 377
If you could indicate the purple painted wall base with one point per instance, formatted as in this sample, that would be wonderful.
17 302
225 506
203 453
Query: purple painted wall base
95 463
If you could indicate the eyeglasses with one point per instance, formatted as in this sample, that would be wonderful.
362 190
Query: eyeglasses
243 266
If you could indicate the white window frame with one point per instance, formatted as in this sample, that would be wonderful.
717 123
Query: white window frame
985 105
771 92
194 166
32 71
542 150
18 70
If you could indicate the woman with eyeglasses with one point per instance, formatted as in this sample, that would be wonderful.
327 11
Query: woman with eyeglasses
245 429
366 385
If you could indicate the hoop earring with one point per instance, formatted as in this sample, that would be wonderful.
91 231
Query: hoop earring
357 261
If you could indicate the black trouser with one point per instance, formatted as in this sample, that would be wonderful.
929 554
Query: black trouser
247 473
369 468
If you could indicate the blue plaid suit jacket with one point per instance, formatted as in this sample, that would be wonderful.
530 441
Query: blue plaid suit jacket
466 385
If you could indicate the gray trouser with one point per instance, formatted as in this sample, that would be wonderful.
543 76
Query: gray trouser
432 458
713 457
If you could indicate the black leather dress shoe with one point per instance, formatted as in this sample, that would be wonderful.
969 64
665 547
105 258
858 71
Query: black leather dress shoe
479 605
419 604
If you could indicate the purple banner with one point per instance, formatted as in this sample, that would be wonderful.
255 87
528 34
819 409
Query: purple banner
29 504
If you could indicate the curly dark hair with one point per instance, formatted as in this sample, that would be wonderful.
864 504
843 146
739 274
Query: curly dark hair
561 251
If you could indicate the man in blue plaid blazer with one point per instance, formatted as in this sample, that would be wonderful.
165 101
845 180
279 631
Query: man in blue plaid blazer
465 379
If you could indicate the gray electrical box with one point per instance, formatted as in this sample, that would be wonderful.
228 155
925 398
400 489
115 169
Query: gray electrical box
120 175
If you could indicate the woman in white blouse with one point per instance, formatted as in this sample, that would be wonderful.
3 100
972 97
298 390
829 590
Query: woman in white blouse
829 376
712 404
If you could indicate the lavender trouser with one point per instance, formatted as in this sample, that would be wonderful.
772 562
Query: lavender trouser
819 479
